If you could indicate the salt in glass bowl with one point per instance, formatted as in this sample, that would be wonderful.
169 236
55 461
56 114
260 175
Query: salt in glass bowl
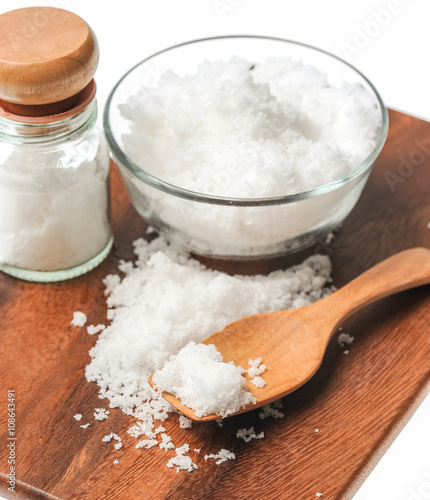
211 225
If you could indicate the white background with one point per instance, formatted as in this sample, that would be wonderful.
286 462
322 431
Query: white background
388 40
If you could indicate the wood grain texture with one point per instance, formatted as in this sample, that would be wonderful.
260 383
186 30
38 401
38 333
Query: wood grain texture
358 402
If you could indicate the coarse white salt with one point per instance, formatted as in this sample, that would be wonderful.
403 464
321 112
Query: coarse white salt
166 442
346 351
279 129
185 422
256 367
198 376
116 462
318 494
111 436
93 329
271 410
316 430
182 461
147 443
101 413
84 426
169 292
222 456
166 300
249 434
79 319
258 382
344 339
78 416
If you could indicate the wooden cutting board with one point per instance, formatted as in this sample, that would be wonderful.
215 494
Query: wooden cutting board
358 402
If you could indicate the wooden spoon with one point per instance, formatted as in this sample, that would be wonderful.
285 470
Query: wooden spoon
292 343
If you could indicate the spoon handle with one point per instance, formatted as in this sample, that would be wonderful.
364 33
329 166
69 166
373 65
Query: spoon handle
404 270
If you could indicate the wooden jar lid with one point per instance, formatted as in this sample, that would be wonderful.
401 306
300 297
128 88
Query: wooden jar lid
47 57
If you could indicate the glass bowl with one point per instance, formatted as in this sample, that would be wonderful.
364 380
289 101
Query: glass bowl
235 228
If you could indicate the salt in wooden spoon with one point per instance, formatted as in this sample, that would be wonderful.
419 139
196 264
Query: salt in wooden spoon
292 342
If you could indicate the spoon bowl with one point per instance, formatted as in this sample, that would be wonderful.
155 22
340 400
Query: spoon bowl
292 343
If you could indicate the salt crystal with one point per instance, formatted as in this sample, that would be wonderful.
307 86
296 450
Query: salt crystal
78 416
258 382
271 410
93 329
256 367
79 319
115 462
111 436
146 443
202 381
222 456
249 434
85 426
101 413
166 442
318 494
185 422
344 339
182 461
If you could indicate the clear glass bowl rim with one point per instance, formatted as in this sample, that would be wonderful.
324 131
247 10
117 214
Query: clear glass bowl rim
174 190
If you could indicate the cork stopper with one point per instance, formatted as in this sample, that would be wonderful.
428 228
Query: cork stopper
48 57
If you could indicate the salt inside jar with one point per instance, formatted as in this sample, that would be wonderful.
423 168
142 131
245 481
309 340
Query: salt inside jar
54 161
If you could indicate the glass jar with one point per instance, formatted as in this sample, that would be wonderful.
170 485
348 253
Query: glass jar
54 197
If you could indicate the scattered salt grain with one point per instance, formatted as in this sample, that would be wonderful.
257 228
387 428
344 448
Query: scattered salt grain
78 416
197 450
249 434
346 351
166 442
79 319
111 436
258 382
185 422
166 291
115 462
329 238
271 410
93 329
146 443
101 413
316 430
256 367
220 422
222 456
202 381
110 282
85 426
318 494
182 461
344 339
